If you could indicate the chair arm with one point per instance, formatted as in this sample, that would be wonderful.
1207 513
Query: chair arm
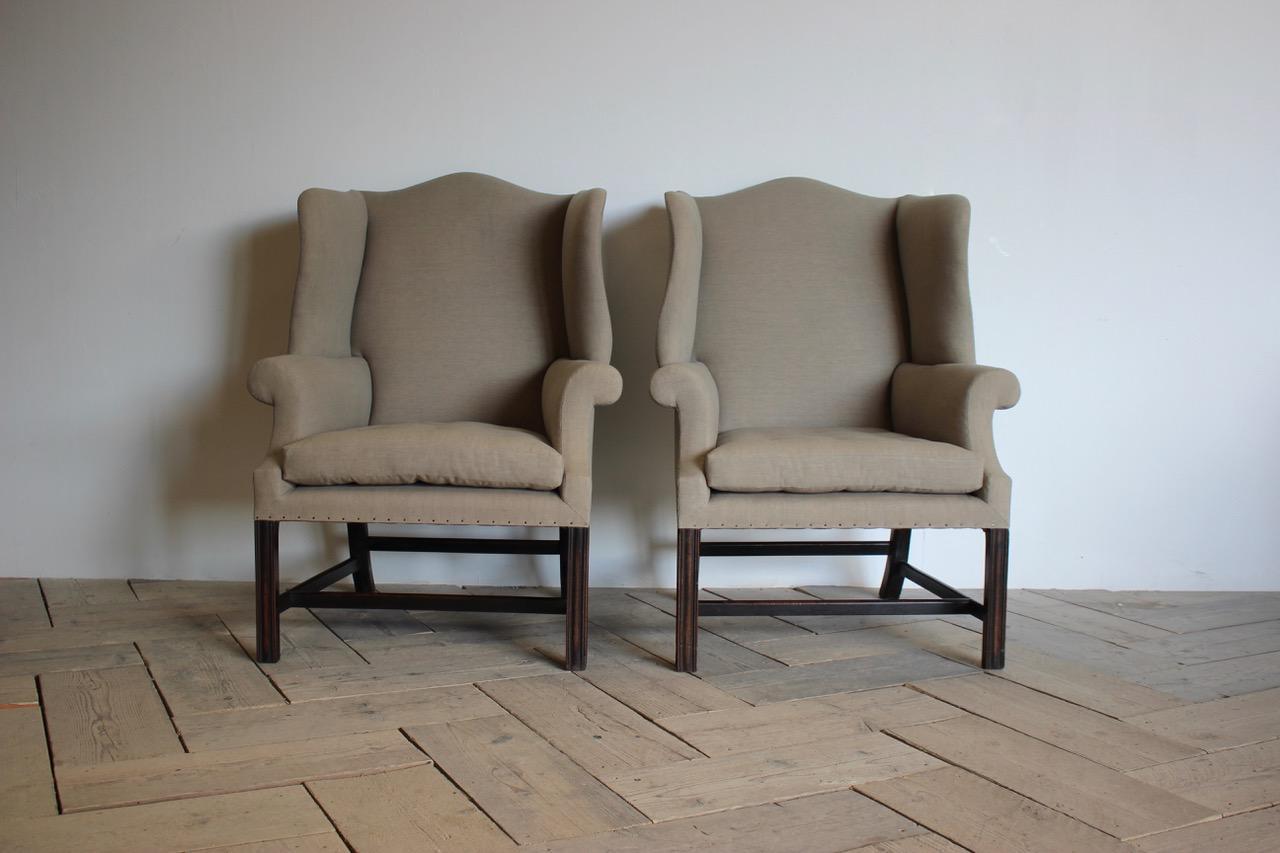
955 403
571 389
690 389
312 394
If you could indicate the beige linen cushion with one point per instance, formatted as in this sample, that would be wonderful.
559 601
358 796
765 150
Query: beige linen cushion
839 459
443 454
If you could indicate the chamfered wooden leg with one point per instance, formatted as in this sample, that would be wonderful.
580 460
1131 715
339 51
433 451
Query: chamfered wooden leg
266 540
995 598
688 552
358 541
575 556
564 561
899 545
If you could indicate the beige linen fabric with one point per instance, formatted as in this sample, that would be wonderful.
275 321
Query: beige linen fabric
570 392
839 459
275 499
463 299
956 403
795 304
800 314
311 394
331 242
453 454
460 306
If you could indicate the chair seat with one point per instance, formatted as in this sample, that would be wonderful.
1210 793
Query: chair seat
461 453
839 459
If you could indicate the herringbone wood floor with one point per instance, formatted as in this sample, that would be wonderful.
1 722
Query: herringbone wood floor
132 717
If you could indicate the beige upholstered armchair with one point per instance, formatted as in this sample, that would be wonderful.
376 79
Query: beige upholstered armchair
817 346
448 346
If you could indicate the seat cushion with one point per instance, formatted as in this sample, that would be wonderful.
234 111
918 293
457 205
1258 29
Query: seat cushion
839 459
445 454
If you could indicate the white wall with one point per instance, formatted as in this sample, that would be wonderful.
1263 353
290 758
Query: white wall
1121 159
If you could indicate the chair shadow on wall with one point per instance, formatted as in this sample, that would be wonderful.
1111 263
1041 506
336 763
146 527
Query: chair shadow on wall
216 443
213 447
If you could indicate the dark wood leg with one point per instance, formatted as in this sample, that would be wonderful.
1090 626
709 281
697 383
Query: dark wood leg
266 540
574 557
995 598
358 541
564 561
688 552
899 546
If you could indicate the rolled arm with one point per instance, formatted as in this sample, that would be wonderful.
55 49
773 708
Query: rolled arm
312 394
571 389
955 403
690 389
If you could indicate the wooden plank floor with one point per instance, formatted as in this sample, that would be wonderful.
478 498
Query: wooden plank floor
133 717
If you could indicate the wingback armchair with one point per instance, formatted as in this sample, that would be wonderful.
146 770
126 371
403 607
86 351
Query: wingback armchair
448 345
817 346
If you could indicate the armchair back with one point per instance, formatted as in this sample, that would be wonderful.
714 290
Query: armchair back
803 298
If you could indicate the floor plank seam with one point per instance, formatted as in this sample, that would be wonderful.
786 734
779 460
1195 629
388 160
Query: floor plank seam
336 829
146 665
1103 612
458 786
48 743
329 628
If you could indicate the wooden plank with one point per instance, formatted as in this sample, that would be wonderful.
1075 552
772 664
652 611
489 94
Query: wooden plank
354 626
1081 649
332 717
1181 612
850 645
148 627
1099 738
655 632
225 820
513 641
305 641
1103 798
597 731
21 606
99 715
199 774
744 630
531 790
1201 682
838 624
1221 724
926 843
63 595
985 817
59 660
26 783
1255 831
1082 620
208 592
648 684
137 612
753 778
18 690
1231 781
413 809
210 674
1234 641
820 679
325 842
749 729
440 670
821 823
1047 673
